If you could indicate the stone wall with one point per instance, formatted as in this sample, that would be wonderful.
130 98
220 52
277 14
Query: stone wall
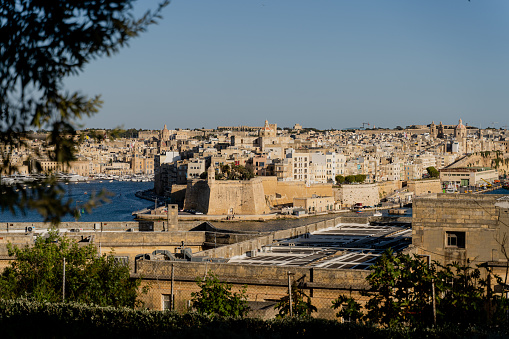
351 194
283 192
178 194
264 283
197 196
256 243
476 218
420 187
388 187
249 197
237 197
123 244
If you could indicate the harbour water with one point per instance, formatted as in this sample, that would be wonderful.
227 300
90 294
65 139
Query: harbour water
499 191
122 202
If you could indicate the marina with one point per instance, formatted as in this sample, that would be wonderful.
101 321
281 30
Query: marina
73 178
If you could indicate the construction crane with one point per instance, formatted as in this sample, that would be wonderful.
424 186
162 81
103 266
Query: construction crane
487 182
364 124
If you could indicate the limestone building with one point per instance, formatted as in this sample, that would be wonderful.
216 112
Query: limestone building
462 227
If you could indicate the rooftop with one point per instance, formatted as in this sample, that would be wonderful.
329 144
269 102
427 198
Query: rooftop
344 246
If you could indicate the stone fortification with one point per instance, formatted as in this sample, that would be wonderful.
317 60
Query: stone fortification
197 196
178 194
283 192
226 197
421 187
367 194
388 187
249 197
237 197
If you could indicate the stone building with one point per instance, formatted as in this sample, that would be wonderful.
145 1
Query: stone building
315 204
462 228
366 194
467 176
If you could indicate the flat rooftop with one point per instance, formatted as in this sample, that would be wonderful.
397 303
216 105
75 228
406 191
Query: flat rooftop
345 246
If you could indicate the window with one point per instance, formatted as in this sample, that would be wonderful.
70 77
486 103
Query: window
166 300
455 239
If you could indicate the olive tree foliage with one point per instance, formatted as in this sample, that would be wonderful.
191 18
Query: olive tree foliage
216 298
42 43
37 274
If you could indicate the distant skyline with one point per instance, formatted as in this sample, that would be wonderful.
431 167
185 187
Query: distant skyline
323 64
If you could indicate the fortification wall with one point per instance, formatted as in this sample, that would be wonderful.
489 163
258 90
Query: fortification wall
237 197
388 187
367 194
178 194
198 196
283 192
420 187
127 244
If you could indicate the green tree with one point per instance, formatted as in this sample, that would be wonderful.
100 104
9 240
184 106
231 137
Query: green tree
348 309
400 290
340 179
350 179
360 178
237 172
433 172
42 43
301 303
216 298
400 293
37 274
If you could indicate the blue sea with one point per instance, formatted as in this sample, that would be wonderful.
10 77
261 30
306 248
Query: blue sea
498 191
122 202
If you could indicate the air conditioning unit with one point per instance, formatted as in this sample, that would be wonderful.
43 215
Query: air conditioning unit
30 229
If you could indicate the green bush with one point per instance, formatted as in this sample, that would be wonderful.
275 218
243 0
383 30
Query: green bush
28 319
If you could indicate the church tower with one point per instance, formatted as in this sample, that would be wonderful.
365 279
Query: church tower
433 130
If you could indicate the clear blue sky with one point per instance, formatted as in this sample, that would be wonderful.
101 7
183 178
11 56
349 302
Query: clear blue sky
323 64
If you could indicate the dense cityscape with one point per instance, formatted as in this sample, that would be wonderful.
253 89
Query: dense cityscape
295 226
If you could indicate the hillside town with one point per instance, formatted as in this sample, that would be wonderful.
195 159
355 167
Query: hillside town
259 205
298 169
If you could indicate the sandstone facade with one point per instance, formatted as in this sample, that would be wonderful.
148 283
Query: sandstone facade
420 187
367 194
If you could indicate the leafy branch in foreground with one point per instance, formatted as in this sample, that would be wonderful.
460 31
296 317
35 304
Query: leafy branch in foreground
42 43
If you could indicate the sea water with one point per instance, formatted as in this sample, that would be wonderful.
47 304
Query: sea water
122 202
